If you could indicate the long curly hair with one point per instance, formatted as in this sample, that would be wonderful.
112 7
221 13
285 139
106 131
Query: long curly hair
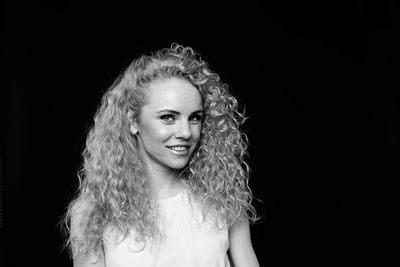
113 183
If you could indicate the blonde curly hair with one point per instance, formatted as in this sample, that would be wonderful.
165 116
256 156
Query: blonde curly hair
113 186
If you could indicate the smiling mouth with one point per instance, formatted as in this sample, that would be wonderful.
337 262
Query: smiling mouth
180 149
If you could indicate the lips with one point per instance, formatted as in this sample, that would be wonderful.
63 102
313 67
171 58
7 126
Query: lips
179 149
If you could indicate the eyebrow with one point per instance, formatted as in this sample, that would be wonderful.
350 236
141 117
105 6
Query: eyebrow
176 112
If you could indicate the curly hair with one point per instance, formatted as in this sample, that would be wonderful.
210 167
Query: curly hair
113 185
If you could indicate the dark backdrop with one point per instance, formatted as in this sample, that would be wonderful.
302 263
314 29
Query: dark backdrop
317 82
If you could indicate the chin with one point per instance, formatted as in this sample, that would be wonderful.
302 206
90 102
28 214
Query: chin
178 165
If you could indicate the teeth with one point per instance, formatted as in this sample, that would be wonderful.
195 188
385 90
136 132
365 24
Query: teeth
178 148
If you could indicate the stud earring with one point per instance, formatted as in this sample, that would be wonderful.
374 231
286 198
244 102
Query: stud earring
133 129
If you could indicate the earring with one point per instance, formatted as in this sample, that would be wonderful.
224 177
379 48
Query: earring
133 129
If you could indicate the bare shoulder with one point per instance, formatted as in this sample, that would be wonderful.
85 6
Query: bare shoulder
241 248
79 216
79 219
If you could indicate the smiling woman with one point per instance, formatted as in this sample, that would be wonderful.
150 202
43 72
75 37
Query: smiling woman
164 181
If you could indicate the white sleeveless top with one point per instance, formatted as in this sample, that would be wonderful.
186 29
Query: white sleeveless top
188 241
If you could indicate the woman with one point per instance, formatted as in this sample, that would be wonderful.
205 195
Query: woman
164 181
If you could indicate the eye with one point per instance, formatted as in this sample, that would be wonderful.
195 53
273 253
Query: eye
196 118
167 117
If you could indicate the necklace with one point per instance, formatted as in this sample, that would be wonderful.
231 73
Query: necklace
155 207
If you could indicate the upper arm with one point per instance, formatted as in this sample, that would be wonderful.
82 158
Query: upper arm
78 224
240 247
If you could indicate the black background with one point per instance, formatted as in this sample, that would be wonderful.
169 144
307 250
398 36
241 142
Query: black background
317 80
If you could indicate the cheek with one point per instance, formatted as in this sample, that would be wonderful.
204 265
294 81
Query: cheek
157 132
196 133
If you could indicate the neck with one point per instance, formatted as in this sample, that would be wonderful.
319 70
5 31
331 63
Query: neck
164 183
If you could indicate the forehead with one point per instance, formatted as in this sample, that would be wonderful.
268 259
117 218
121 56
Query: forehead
173 93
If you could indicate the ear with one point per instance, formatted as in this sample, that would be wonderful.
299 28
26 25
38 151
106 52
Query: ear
133 127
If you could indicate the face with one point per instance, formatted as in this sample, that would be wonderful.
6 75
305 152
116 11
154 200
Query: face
169 126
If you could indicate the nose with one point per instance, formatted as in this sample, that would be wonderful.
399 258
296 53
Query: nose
183 130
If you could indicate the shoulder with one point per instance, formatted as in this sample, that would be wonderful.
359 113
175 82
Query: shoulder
241 248
80 212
